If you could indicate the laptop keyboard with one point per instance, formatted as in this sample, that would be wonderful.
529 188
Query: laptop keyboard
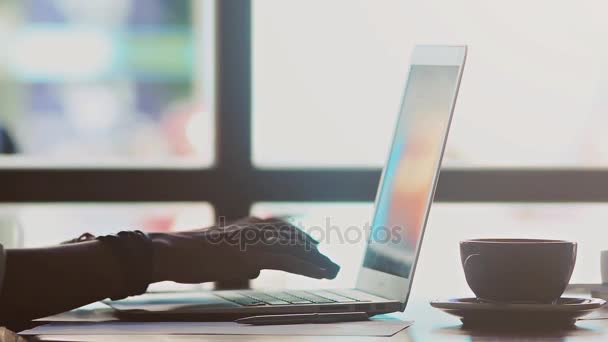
259 298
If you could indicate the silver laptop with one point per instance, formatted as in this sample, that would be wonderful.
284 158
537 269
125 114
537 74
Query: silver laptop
402 205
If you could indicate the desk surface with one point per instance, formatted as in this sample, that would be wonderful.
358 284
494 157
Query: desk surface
430 325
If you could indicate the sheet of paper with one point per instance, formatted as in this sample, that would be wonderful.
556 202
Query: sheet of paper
366 328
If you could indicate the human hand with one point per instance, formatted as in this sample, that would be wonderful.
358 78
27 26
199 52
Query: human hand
238 251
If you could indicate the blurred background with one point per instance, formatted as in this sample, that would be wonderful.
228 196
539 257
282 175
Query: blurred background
104 81
114 84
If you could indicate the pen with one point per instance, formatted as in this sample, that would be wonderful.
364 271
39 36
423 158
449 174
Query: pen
304 318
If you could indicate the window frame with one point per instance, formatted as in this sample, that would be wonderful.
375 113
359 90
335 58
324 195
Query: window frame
233 184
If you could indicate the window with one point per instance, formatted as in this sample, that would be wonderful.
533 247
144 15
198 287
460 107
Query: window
328 79
305 109
106 83
39 224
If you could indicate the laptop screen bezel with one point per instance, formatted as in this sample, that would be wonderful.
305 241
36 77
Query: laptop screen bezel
384 284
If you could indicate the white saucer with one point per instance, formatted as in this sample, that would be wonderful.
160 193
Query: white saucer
564 312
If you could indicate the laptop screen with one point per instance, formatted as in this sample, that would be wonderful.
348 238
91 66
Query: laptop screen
409 176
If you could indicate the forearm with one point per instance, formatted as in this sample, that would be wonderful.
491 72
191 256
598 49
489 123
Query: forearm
43 281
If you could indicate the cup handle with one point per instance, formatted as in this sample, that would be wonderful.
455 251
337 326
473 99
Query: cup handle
604 266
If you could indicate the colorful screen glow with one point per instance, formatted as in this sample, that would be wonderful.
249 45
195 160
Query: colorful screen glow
411 169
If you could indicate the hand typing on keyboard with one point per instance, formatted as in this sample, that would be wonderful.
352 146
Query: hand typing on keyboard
237 251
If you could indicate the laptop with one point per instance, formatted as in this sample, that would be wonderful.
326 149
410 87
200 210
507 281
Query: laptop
402 205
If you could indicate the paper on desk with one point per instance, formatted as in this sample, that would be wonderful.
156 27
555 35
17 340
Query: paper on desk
382 328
